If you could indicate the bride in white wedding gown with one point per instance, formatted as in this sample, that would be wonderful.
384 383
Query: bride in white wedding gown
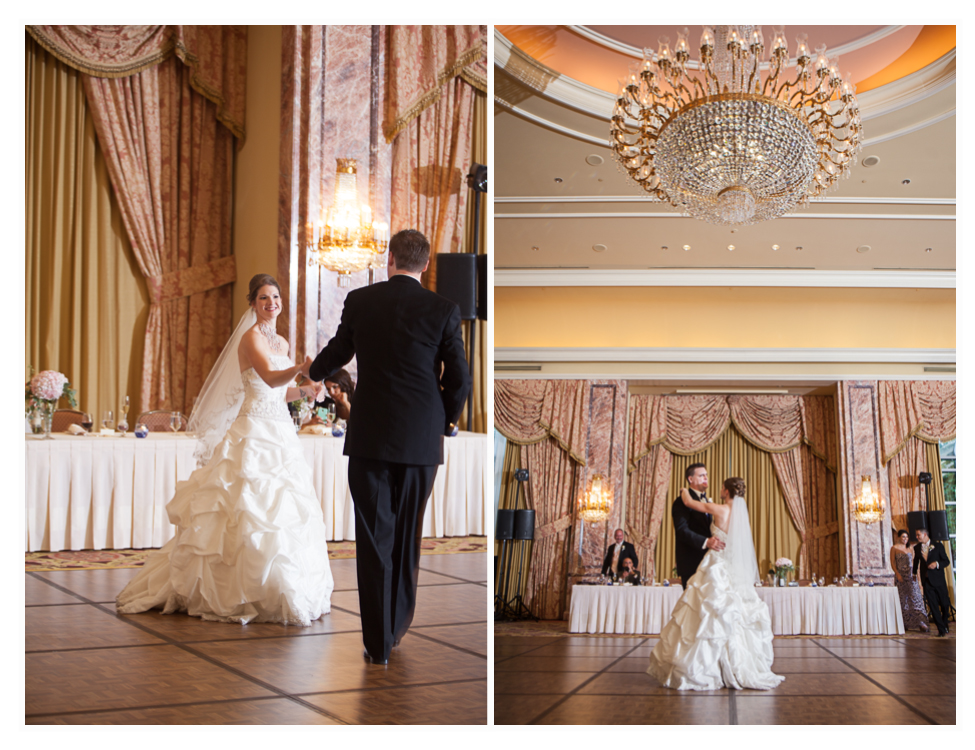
719 634
250 542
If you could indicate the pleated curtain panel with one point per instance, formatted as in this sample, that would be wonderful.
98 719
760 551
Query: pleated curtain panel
168 106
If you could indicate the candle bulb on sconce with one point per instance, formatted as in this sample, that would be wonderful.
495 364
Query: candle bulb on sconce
596 502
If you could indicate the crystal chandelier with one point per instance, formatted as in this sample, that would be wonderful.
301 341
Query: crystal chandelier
725 140
348 239
596 502
869 506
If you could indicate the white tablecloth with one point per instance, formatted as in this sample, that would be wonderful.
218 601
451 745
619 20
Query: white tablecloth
111 492
864 610
621 609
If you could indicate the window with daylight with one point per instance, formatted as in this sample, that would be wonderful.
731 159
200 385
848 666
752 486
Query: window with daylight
947 451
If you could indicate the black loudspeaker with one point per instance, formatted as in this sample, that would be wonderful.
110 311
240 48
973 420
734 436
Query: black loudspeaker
457 281
924 477
482 287
938 525
916 519
504 526
525 524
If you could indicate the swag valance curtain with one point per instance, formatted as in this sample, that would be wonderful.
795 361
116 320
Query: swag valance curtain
167 103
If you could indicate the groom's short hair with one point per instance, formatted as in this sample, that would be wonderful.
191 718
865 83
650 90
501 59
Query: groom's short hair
410 249
689 472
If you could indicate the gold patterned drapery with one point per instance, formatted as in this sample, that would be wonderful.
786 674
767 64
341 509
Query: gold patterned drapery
215 55
926 408
796 433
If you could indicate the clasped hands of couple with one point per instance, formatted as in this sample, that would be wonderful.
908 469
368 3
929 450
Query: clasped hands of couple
317 385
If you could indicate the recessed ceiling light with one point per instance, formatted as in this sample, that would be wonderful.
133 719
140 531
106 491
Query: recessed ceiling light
687 247
599 248
775 247
798 247
534 247
731 247
928 249
870 161
594 160
905 182
664 247
863 249
558 179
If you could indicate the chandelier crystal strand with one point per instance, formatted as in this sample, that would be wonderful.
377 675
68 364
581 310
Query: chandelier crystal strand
734 142
349 240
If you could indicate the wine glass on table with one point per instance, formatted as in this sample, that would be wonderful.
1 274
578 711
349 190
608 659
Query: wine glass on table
108 419
331 413
123 422
176 421
87 422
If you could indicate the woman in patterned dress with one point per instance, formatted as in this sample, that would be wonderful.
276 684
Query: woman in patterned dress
912 603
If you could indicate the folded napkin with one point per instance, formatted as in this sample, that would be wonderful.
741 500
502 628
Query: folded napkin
76 429
313 429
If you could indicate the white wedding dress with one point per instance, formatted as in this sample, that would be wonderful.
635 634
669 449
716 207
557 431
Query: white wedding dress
719 634
250 542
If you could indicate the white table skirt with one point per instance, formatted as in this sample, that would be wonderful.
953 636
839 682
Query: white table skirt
621 609
864 610
111 493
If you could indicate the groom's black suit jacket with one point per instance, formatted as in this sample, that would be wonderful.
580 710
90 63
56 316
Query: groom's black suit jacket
936 577
413 374
692 530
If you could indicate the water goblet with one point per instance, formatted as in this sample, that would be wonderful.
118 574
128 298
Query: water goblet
108 419
176 421
331 412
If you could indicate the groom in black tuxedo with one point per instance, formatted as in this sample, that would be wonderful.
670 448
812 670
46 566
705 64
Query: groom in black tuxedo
693 529
931 560
413 382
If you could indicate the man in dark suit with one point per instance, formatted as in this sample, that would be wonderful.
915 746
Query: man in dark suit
617 553
413 382
931 560
691 528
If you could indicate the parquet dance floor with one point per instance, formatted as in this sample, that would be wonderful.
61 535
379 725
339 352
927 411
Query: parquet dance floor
86 665
578 679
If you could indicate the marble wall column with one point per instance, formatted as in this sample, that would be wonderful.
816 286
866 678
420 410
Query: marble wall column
865 547
331 98
605 454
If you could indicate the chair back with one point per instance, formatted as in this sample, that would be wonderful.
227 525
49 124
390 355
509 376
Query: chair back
805 582
61 419
159 420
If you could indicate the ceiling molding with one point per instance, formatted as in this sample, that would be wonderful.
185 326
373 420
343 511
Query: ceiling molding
646 198
637 52
590 100
515 355
723 277
889 136
676 215
577 134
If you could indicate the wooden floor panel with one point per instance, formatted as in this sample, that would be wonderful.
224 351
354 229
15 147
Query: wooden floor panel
577 679
471 566
85 664
452 703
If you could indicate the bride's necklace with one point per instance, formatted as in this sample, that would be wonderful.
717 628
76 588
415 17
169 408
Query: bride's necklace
271 335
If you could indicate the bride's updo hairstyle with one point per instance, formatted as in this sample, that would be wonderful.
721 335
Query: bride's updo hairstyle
735 486
262 279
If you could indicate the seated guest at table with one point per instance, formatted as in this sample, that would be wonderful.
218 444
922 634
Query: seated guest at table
617 553
930 560
339 388
912 603
629 573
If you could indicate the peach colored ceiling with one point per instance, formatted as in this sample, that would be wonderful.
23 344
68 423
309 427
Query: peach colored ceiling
887 59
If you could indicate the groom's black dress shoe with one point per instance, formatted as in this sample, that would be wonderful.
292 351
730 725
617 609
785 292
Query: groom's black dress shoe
373 660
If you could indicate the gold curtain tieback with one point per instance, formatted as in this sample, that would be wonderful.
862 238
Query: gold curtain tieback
193 280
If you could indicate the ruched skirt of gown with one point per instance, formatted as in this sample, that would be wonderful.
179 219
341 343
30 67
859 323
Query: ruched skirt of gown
718 636
250 542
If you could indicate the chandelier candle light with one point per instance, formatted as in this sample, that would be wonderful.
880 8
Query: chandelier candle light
869 505
348 239
597 501
725 140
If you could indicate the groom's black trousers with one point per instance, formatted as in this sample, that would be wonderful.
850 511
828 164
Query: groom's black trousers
389 500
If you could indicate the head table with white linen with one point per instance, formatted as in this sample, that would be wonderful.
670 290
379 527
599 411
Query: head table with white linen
109 492
806 610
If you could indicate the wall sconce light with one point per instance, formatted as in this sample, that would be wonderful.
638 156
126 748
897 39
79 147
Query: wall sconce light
869 505
597 501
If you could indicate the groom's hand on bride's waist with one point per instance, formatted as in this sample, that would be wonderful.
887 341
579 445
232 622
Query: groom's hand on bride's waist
714 543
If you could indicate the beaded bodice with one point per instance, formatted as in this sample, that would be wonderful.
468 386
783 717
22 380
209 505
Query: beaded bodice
260 399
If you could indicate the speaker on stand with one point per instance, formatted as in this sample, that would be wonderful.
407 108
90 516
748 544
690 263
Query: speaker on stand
504 529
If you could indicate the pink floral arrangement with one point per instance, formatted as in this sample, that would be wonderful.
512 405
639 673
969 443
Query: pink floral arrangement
47 387
784 565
